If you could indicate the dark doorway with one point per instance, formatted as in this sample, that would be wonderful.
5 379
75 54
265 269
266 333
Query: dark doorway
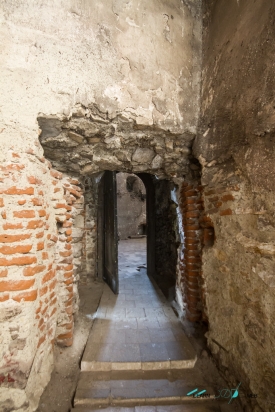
107 252
107 231
131 206
160 228
131 216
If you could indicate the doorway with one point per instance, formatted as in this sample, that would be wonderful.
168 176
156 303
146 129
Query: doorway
132 228
107 248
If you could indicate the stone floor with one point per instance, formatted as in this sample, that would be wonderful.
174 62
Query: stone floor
138 325
138 357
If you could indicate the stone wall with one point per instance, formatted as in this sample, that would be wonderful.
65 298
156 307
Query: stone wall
235 147
131 205
69 63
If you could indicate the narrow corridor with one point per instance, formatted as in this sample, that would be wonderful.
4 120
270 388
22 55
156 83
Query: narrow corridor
138 356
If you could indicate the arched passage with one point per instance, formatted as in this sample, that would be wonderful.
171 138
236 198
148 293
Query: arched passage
74 148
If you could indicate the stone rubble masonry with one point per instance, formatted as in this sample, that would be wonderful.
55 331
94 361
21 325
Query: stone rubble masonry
106 143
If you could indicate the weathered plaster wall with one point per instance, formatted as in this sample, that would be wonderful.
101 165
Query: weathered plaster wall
236 149
137 65
131 205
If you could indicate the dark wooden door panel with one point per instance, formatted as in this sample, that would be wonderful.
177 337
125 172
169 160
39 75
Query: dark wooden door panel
110 265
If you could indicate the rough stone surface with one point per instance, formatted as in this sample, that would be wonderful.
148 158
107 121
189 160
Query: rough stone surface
131 205
236 149
98 142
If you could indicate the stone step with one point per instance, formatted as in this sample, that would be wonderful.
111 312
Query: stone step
140 388
187 407
147 348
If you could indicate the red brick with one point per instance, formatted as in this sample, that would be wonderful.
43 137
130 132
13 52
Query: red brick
53 302
13 285
16 191
45 309
53 312
68 267
48 276
43 290
15 155
34 224
3 273
45 255
40 246
21 202
18 261
52 284
192 227
191 192
12 226
60 206
37 202
193 214
65 336
56 174
42 212
13 238
11 167
41 340
4 214
68 232
26 296
33 180
226 212
33 270
65 254
39 235
4 297
227 198
69 281
67 224
10 250
1 202
75 192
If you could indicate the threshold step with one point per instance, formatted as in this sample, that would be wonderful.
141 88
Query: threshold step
201 407
150 348
137 392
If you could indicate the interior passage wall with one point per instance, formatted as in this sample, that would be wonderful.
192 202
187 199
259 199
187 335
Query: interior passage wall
236 150
56 56
131 206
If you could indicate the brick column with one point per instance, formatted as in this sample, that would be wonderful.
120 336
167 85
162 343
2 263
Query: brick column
63 256
191 208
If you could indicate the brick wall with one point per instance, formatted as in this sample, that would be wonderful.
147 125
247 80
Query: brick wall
190 279
38 292
68 203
